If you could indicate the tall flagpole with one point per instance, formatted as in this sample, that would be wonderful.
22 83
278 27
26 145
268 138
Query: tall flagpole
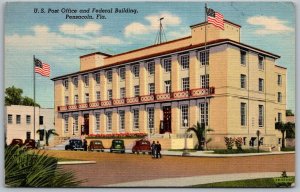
33 97
205 78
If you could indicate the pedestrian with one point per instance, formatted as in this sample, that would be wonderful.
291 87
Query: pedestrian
153 149
158 149
85 145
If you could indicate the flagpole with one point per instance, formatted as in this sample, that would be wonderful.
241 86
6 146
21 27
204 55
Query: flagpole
205 78
33 97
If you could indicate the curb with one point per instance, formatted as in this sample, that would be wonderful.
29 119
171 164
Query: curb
75 162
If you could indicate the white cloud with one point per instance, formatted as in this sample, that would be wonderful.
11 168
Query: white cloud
137 28
44 39
73 29
269 25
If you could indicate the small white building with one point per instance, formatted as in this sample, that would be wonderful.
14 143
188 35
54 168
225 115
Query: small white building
19 122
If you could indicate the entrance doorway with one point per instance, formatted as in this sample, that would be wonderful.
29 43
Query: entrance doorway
85 129
166 120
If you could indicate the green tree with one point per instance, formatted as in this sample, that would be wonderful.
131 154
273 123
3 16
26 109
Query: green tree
48 134
289 112
200 131
283 127
13 96
24 168
29 102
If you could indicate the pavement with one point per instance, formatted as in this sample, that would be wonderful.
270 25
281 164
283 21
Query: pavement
196 180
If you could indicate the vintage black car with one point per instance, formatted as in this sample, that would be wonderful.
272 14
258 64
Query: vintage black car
75 144
117 145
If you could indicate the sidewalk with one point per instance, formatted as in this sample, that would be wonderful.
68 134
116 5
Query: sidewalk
196 180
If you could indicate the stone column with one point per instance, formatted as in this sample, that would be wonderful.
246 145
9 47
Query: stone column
103 92
115 121
80 89
175 79
143 79
158 76
92 123
102 122
175 117
194 71
128 120
115 84
193 113
157 117
71 91
92 84
129 82
143 119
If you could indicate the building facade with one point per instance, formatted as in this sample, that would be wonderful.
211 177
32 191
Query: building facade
234 88
20 122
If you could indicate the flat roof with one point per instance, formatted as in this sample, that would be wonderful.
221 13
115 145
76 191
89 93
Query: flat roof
205 22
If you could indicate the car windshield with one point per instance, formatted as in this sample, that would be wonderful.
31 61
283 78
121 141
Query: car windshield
97 143
75 142
118 142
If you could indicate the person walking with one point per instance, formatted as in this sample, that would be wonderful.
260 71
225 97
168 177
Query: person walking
153 149
158 149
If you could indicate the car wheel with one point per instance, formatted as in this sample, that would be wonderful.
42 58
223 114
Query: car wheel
122 151
143 153
111 151
102 150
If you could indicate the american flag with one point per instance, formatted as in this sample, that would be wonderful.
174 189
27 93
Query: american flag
41 68
215 18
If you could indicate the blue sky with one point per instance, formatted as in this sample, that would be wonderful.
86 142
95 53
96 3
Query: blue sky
60 42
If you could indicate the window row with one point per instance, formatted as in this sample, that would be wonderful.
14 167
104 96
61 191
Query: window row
261 60
243 115
28 119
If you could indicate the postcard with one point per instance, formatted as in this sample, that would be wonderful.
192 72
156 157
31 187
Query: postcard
149 94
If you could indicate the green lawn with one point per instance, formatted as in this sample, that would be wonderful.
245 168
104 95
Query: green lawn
288 149
252 183
234 151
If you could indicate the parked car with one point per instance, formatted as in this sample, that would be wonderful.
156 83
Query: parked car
30 144
96 145
15 142
117 145
142 146
74 144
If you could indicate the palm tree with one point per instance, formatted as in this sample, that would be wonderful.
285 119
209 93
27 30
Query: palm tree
283 127
48 134
24 168
200 131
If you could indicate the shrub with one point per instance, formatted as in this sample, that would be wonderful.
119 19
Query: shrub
238 143
229 142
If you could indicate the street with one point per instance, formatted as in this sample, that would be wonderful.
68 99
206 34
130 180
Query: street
112 168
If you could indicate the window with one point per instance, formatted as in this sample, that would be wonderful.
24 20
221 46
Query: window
98 95
260 62
243 81
109 76
28 119
184 116
76 128
243 57
66 100
109 121
151 88
9 119
150 119
167 64
168 86
185 61
279 97
122 73
66 122
136 90
66 83
87 97
122 93
260 115
76 99
75 82
18 119
122 120
185 84
279 80
204 57
109 94
150 66
136 70
97 117
204 113
243 114
205 81
135 119
97 78
86 80
41 120
260 84
279 117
